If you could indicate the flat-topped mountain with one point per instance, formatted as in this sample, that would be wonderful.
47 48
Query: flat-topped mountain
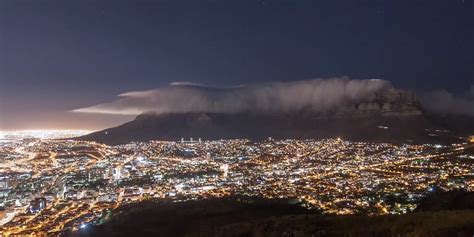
389 115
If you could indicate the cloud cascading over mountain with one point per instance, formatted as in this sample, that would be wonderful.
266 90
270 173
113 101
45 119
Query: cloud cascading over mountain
315 94
444 102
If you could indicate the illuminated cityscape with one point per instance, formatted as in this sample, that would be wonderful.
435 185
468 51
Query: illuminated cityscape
50 185
236 118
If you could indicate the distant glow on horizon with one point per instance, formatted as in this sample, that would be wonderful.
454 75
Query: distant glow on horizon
43 133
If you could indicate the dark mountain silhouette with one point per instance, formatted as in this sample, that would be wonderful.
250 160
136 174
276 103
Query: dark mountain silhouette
452 200
388 116
250 216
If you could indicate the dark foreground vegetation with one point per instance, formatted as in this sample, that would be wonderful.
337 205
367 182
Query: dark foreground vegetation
441 214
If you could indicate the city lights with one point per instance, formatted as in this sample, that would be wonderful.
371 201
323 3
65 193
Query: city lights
50 185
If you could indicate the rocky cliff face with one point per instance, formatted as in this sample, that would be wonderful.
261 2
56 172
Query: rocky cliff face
390 102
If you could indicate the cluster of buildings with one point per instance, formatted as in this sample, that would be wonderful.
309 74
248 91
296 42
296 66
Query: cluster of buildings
48 186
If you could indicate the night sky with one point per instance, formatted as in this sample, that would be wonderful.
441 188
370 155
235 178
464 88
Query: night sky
56 56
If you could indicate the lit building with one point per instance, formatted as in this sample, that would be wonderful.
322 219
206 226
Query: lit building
4 184
37 205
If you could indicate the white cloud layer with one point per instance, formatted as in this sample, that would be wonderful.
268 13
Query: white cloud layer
316 94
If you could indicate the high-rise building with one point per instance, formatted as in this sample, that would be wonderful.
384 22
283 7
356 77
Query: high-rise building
117 173
37 205
4 184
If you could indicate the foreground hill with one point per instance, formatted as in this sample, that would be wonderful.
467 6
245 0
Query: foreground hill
259 217
191 218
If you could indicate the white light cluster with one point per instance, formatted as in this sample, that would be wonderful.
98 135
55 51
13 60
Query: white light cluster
43 134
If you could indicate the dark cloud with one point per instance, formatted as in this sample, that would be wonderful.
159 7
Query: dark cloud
444 102
316 94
